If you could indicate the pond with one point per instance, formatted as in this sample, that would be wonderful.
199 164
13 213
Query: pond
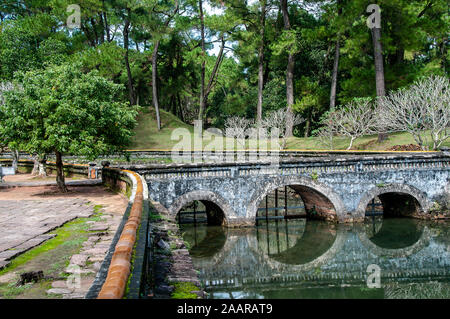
315 259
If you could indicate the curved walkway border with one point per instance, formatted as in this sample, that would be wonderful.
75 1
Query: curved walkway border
119 264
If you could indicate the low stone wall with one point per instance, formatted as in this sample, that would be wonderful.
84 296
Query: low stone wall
120 266
117 180
70 170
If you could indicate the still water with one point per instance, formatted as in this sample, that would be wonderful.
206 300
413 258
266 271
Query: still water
314 259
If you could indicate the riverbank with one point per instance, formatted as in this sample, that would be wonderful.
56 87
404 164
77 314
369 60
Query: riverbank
174 275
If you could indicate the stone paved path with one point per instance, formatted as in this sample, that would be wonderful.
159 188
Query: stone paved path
85 182
29 214
84 265
25 224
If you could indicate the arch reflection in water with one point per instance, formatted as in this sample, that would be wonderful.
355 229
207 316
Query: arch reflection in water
313 259
204 241
394 237
295 242
394 233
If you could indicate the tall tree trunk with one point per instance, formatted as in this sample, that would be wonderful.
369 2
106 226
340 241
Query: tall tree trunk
43 166
215 71
443 51
60 180
155 69
35 170
105 18
15 160
102 23
126 32
94 29
289 76
203 67
180 108
261 63
334 76
155 83
308 123
379 69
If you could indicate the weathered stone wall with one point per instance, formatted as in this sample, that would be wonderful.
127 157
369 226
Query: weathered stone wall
70 170
116 180
337 189
171 262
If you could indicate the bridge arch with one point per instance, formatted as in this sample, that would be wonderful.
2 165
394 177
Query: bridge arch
206 196
310 190
396 190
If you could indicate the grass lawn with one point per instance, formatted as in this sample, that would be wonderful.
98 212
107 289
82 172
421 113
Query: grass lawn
147 137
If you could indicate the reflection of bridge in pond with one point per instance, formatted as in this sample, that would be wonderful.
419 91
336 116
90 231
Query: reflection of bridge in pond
289 254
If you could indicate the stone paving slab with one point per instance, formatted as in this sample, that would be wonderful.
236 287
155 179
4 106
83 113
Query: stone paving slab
25 224
87 182
3 264
88 261
28 216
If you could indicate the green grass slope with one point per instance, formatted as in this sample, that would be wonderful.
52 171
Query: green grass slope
147 136
146 132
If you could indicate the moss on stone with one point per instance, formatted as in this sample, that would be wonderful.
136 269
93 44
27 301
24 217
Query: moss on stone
184 290
63 234
314 176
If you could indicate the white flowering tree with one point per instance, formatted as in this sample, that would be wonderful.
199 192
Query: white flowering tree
424 106
237 127
326 134
276 121
356 119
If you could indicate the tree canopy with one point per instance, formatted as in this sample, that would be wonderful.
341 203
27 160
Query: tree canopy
62 110
214 59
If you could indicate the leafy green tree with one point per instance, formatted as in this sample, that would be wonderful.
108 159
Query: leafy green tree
62 110
29 43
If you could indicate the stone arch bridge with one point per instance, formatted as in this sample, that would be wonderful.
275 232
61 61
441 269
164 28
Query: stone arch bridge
336 187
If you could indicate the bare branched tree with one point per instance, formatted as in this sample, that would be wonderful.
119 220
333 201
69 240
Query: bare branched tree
433 94
277 121
237 127
424 106
5 87
354 120
326 136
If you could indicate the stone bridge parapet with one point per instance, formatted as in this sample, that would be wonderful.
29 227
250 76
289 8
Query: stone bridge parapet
339 186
